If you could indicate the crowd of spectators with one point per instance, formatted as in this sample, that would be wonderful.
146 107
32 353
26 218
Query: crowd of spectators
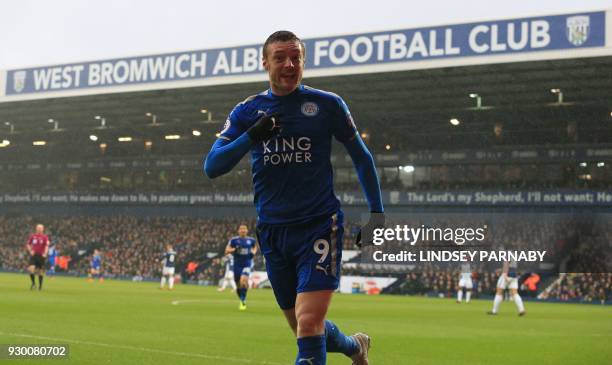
587 287
444 284
133 246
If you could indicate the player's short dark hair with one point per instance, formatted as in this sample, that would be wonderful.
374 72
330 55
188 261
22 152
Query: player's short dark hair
282 36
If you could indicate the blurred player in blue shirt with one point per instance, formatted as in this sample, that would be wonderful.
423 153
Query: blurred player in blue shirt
95 270
242 248
52 256
168 260
289 129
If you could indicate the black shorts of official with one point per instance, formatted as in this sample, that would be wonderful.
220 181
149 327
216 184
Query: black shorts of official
38 261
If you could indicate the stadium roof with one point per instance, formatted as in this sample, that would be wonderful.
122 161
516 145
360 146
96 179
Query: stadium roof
416 104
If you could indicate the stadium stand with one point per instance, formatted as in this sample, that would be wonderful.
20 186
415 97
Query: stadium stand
522 138
131 247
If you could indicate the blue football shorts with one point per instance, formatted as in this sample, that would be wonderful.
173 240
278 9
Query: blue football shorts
242 269
303 257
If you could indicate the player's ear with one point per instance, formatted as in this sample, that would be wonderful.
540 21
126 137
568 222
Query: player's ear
264 62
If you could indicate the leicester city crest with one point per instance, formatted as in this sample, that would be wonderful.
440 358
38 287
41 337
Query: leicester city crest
578 29
19 79
310 109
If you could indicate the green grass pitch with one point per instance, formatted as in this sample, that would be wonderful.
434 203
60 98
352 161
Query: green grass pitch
118 322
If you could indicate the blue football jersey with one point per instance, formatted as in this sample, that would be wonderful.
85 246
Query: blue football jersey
169 258
244 246
96 261
292 172
52 253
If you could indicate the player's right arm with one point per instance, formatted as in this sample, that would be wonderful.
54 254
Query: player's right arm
233 143
29 246
236 139
229 248
224 155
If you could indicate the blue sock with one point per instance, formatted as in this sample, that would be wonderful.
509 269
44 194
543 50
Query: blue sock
241 294
337 341
311 351
244 293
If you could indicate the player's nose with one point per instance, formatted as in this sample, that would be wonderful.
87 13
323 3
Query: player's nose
289 63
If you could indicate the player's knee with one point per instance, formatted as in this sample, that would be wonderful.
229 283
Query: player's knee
310 323
244 282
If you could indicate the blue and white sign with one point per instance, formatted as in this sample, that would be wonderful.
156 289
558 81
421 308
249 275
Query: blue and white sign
545 33
516 198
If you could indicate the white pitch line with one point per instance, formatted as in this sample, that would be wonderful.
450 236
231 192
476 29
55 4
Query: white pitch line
144 349
177 302
209 300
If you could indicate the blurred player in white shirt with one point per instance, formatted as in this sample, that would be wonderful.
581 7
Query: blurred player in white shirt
228 260
508 280
465 283
168 260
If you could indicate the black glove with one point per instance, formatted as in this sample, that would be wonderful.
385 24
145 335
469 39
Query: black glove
265 128
366 233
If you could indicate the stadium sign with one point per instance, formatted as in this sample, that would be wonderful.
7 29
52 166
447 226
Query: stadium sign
419 198
504 40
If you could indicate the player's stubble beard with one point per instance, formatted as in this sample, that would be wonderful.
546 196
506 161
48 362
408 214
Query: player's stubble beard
286 85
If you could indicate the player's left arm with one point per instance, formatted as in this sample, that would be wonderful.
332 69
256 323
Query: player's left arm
46 248
345 131
366 171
